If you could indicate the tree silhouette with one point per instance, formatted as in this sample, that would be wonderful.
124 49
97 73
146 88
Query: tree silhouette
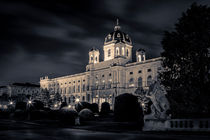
187 63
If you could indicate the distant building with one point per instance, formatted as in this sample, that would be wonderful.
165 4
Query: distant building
16 89
104 80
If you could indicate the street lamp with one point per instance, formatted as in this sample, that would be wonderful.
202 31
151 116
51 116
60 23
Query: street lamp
77 100
29 102
11 102
55 105
69 106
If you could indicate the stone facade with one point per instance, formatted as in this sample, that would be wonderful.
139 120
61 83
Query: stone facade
19 88
105 80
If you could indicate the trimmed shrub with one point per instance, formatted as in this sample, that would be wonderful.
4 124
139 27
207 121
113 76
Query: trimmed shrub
21 105
127 108
38 114
105 108
94 107
20 114
53 114
86 115
82 105
63 104
68 115
5 113
38 105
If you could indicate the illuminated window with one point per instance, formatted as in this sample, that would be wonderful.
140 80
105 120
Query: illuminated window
109 36
131 82
123 51
117 51
118 35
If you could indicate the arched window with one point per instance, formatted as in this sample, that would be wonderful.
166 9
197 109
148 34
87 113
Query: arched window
96 59
109 53
117 51
91 57
131 82
123 51
149 80
127 52
139 58
139 82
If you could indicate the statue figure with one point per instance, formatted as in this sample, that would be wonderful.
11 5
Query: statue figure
154 101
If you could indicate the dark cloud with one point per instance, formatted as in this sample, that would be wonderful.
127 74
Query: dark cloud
52 37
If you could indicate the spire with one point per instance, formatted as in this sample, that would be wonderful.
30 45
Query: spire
117 21
117 26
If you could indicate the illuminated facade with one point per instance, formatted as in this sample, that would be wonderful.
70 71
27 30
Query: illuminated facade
104 80
16 89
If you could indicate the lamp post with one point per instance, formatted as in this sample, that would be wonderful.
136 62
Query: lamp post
11 103
69 106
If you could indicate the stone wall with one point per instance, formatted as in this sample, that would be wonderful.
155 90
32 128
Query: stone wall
177 125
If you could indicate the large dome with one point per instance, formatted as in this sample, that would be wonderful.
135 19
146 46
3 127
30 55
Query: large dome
117 36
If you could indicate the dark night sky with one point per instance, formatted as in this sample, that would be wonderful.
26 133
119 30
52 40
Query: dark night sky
52 37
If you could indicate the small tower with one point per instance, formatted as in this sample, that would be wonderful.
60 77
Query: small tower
94 56
140 55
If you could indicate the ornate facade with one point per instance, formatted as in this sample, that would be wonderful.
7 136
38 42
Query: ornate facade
104 80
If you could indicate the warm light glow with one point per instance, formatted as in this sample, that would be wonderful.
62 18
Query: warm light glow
142 104
69 106
77 100
4 106
55 105
11 102
29 102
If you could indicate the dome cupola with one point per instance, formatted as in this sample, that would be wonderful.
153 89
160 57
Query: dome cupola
117 44
117 36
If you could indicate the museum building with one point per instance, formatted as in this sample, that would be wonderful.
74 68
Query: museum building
104 80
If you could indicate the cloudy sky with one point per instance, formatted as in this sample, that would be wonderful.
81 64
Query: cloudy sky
52 37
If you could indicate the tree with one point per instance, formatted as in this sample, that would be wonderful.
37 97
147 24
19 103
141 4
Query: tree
127 108
187 63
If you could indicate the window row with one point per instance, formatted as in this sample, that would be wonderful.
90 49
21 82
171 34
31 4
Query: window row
118 51
139 82
140 71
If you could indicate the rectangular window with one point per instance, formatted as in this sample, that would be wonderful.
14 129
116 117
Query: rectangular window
140 71
131 73
69 90
78 88
83 87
